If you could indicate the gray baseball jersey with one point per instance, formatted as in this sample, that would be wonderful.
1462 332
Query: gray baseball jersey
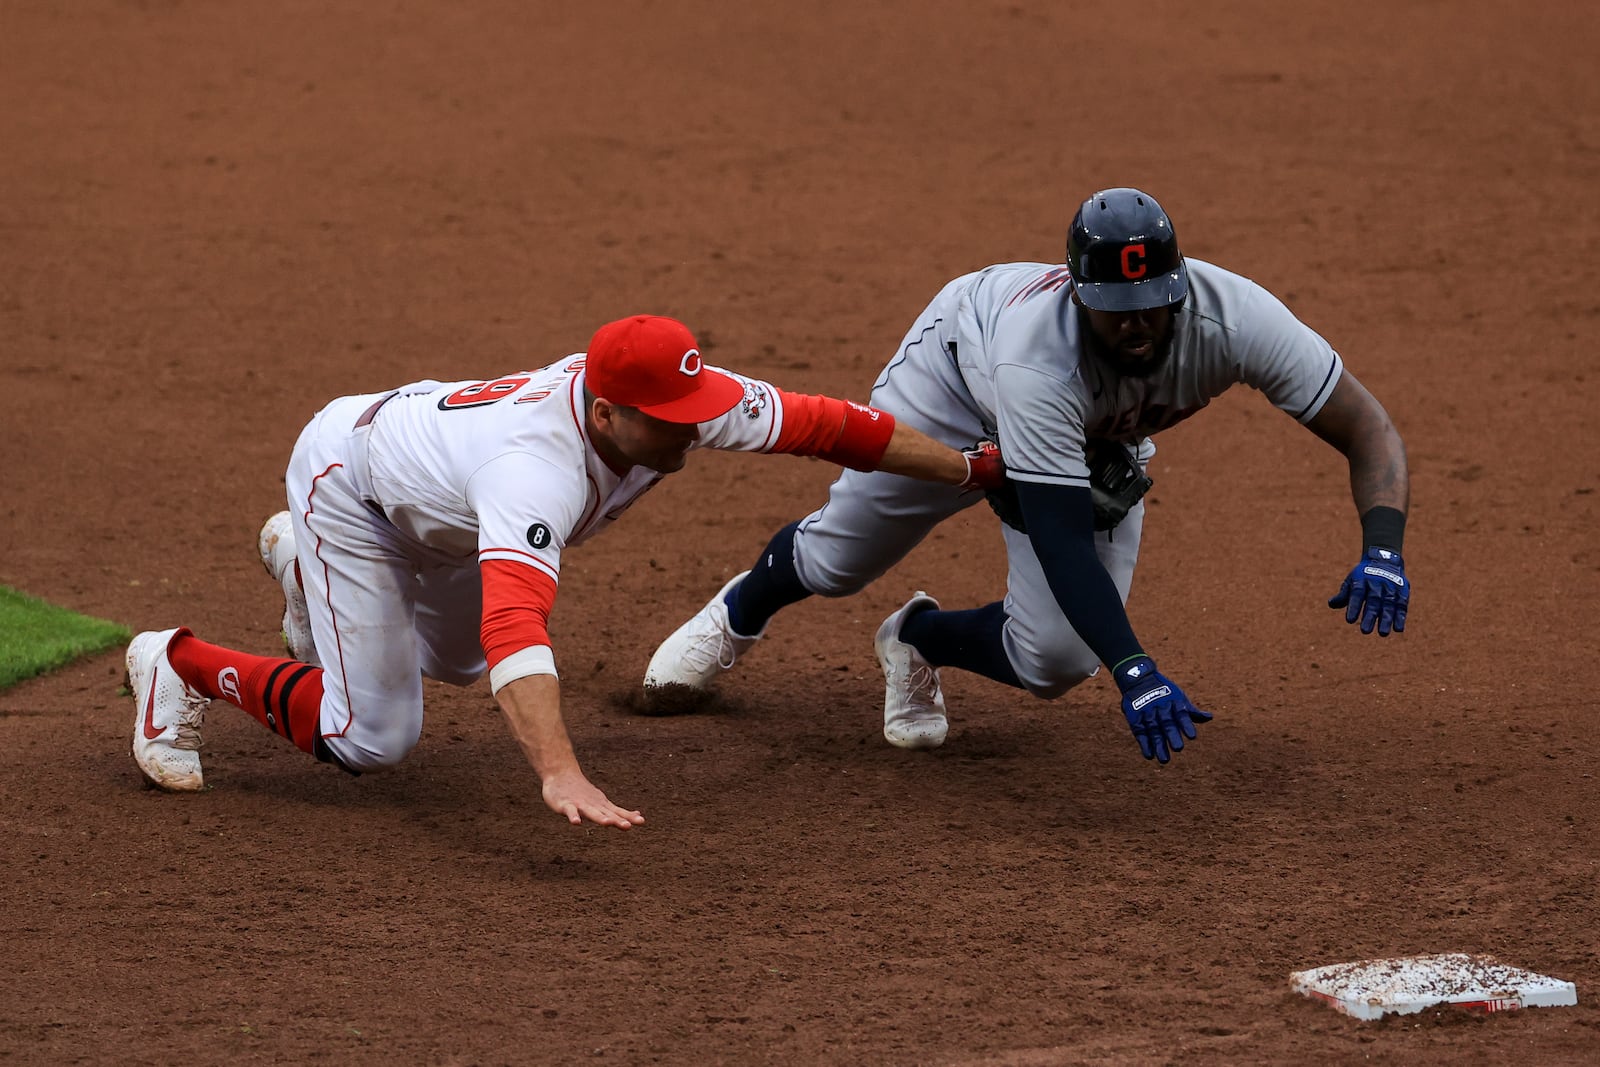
1019 352
997 354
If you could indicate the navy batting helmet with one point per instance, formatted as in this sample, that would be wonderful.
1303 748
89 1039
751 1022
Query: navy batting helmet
1123 253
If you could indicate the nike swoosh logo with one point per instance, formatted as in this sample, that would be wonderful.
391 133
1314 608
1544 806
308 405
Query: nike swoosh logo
150 731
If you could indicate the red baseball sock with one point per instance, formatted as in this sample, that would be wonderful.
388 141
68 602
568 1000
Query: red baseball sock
284 695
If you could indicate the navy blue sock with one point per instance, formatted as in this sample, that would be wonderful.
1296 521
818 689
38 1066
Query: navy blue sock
771 586
969 640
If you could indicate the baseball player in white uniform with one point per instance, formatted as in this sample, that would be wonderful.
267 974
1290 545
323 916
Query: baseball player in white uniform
424 537
1071 368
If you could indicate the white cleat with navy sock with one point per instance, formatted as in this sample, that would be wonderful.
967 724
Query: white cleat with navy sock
913 703
702 648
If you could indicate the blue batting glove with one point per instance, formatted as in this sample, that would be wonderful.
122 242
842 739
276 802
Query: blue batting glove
1376 592
1158 712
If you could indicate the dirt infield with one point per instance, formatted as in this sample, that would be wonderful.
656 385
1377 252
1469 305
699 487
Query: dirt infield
215 217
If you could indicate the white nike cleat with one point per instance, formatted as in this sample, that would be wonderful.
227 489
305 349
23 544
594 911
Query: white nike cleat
277 548
913 705
166 728
702 648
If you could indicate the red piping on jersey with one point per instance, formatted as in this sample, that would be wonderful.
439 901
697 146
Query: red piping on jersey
528 558
327 582
577 420
780 402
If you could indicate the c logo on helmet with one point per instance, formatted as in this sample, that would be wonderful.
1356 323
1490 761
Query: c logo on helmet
1130 269
690 364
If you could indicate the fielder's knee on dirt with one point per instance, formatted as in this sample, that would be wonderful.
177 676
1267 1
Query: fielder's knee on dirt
375 749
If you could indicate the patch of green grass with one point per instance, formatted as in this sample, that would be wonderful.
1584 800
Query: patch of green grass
36 637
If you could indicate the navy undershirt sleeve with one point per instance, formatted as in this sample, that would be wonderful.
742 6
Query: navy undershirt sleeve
1060 521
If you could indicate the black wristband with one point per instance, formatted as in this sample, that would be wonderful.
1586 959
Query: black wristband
1383 527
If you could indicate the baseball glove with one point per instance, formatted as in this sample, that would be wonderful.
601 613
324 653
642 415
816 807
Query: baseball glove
1116 484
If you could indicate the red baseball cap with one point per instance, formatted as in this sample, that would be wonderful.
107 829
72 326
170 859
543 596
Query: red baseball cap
652 363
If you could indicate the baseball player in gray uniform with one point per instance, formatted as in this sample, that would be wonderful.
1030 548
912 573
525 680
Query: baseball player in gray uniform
1071 368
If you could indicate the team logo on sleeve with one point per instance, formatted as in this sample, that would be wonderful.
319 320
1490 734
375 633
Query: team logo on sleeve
539 535
755 400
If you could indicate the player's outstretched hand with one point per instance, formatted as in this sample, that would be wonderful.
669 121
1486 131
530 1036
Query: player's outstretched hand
986 468
574 796
1376 592
1158 712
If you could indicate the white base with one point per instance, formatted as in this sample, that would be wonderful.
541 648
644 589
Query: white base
1370 989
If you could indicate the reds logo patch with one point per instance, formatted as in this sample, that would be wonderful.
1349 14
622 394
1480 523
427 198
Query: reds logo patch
754 402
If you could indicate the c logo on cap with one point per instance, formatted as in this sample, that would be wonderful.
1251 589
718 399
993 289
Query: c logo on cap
690 364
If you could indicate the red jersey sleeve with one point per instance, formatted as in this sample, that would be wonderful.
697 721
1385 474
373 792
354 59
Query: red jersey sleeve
839 431
517 599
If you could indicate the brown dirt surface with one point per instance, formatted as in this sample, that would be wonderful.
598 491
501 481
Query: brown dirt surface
215 217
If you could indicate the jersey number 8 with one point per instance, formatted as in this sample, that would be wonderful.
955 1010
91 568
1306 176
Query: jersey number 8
479 394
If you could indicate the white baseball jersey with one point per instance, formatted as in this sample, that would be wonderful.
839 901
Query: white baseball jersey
504 470
449 507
